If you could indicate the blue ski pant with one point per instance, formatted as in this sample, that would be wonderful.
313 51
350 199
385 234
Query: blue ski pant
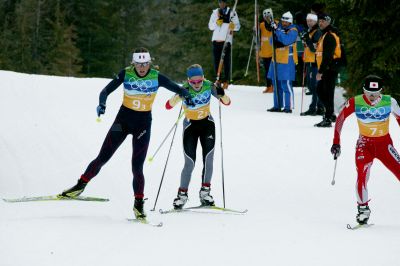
286 96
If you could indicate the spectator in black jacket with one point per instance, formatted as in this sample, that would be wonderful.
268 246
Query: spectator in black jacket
327 55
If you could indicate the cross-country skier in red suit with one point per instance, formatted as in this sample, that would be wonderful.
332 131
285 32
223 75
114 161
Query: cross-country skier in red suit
373 111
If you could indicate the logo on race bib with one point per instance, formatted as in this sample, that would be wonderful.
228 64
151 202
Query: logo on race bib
394 153
372 112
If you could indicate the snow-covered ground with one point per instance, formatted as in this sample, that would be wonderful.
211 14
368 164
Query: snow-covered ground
278 166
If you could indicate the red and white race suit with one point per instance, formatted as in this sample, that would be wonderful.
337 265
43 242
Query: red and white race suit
374 140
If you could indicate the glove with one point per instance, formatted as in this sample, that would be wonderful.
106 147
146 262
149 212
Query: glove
273 25
335 150
220 22
101 109
231 26
189 101
219 89
304 35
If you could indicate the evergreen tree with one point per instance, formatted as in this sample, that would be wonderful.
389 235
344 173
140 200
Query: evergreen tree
63 56
369 32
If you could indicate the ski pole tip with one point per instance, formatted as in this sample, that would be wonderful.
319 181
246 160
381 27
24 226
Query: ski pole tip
333 182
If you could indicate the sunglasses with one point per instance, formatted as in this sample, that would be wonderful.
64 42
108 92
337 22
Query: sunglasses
145 64
195 81
373 93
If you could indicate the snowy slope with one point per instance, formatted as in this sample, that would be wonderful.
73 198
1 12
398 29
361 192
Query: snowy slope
276 165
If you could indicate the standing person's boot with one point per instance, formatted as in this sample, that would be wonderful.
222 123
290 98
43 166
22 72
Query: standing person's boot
274 110
138 208
180 200
75 190
326 122
309 112
363 214
268 89
205 198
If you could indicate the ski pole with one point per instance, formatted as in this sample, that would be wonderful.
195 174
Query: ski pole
166 162
150 159
276 92
302 85
229 32
248 61
222 154
334 172
257 29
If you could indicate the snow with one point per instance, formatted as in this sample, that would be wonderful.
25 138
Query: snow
277 165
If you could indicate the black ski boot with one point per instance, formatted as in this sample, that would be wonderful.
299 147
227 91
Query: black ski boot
205 198
363 214
180 200
138 209
326 122
75 190
309 112
275 110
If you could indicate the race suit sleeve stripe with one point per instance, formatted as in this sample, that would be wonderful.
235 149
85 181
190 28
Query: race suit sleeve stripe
347 110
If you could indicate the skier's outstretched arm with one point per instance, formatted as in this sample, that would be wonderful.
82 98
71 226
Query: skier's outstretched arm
347 110
396 110
164 81
111 86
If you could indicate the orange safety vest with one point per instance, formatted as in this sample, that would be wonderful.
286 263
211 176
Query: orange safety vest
266 47
320 48
309 57
282 54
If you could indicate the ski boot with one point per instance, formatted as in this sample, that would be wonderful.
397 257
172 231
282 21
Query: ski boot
180 200
138 208
326 122
205 198
75 190
363 214
274 110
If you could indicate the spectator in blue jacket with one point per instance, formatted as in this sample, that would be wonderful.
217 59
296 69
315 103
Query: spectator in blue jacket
285 35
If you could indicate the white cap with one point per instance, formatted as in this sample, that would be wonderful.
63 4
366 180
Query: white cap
313 17
287 17
267 13
141 58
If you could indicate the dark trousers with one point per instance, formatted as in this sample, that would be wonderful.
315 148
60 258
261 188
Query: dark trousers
266 62
217 51
312 71
326 91
195 130
138 124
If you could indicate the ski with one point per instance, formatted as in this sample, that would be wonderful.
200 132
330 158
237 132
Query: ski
55 198
200 209
145 221
358 226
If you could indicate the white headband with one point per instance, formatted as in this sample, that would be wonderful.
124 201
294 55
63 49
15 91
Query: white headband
312 17
141 58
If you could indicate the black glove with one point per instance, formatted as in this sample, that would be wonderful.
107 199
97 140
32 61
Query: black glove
335 150
189 100
101 109
219 89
